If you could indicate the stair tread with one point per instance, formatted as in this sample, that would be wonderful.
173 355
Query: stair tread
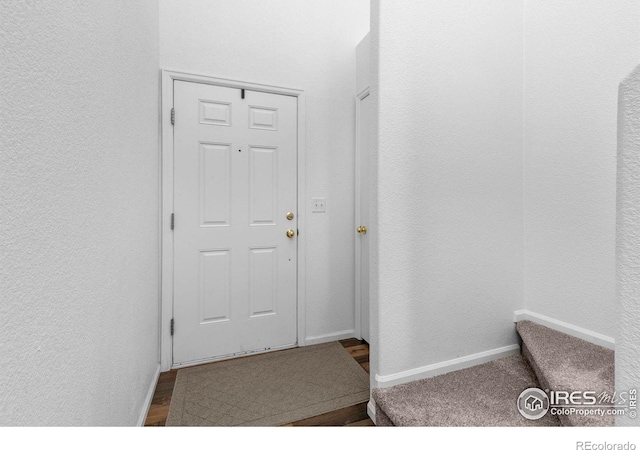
563 362
483 395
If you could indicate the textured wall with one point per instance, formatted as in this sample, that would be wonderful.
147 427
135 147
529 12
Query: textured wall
447 266
373 39
304 45
78 211
576 53
628 240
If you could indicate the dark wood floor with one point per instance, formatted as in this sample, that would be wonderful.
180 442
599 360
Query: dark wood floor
355 415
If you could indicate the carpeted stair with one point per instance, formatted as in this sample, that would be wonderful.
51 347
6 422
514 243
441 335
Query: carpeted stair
566 363
485 395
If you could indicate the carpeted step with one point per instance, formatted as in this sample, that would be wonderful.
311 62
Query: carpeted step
566 363
484 395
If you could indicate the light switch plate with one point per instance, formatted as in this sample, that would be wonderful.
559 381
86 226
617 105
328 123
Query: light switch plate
318 205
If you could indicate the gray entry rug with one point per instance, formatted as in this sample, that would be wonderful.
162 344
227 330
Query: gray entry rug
268 389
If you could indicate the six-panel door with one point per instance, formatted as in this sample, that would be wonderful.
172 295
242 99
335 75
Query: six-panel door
235 181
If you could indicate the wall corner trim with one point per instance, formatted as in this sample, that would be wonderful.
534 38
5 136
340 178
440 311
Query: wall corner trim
371 411
564 327
432 370
149 398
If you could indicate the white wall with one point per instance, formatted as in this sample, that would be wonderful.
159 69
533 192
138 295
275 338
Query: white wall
78 211
304 45
576 54
447 268
628 240
373 43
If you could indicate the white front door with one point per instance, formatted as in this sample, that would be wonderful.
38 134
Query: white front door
235 195
362 212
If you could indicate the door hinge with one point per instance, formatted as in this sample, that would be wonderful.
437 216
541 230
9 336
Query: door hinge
173 220
241 93
172 327
173 116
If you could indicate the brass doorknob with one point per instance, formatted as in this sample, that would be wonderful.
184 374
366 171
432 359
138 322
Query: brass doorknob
290 233
362 229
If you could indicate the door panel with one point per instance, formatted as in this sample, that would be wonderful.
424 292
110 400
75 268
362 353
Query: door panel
263 185
215 285
263 275
235 179
215 184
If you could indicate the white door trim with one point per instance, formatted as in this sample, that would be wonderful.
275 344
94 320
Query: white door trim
358 239
166 195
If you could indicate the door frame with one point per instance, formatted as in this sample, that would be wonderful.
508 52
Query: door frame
358 239
166 201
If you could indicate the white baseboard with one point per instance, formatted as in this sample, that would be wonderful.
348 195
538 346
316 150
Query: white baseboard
330 337
147 401
433 370
567 328
371 410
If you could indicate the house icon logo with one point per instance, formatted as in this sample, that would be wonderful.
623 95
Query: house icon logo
533 403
